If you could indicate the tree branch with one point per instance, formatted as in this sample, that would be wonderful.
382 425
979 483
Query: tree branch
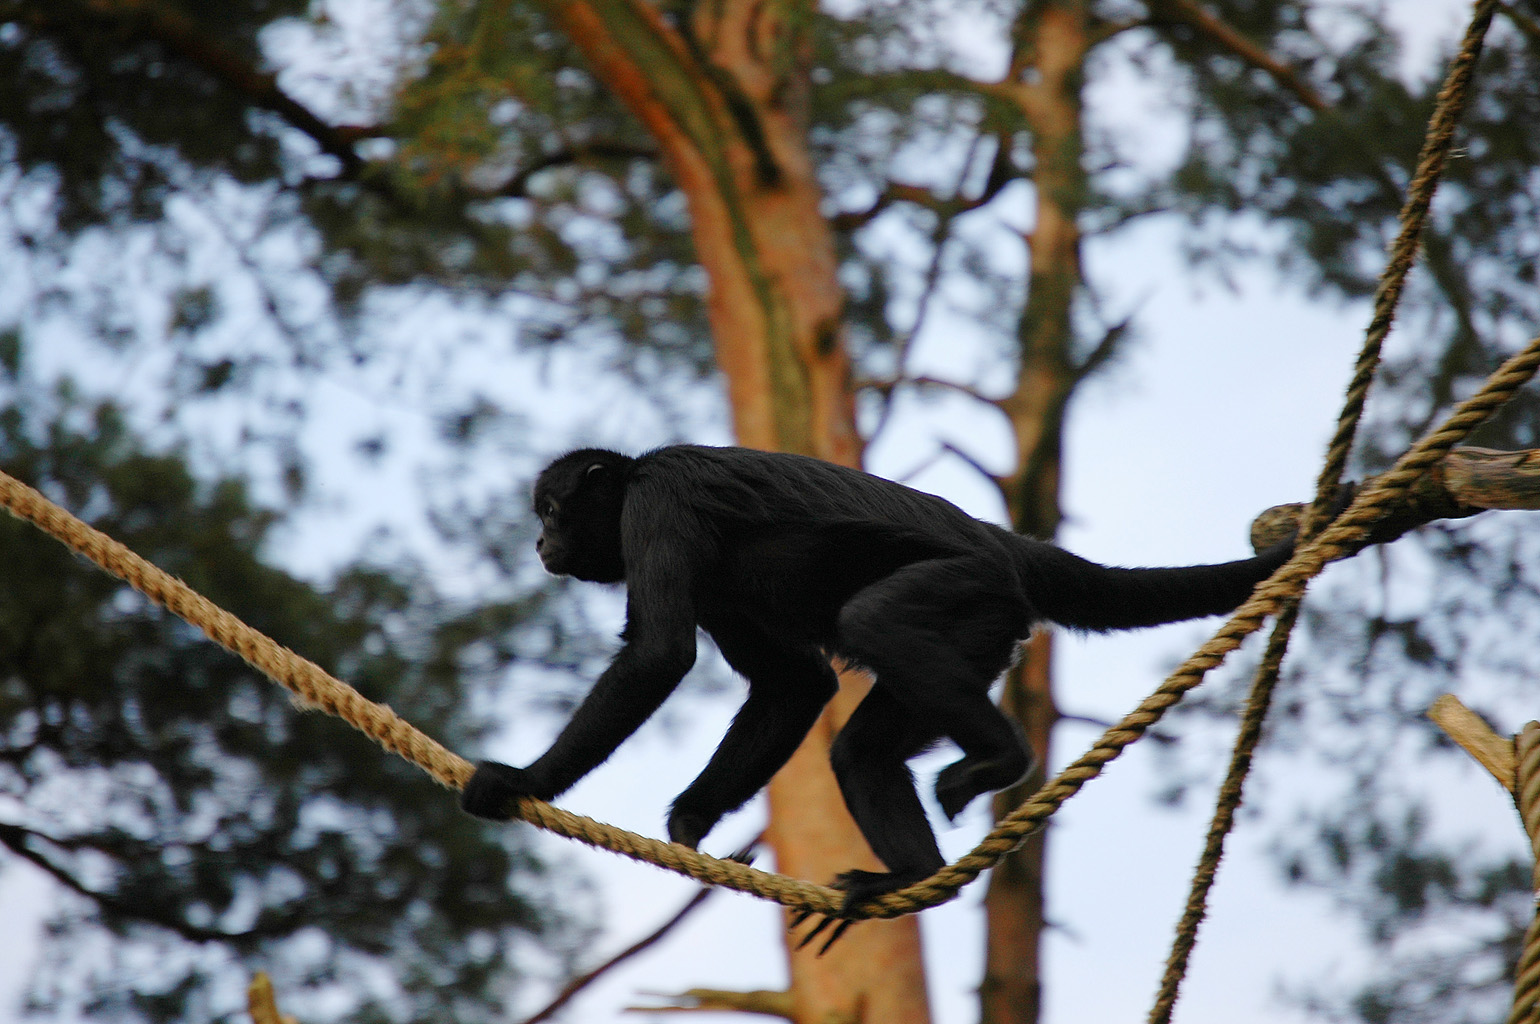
941 235
149 21
975 465
262 1004
1523 22
14 838
1187 12
947 448
762 1001
1475 736
1105 349
1106 30
744 855
943 207
517 186
1158 736
582 981
888 386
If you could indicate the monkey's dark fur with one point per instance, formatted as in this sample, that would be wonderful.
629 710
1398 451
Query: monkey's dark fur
785 561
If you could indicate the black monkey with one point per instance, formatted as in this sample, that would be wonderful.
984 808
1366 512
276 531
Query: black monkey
786 560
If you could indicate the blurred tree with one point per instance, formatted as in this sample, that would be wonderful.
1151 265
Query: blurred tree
196 821
795 195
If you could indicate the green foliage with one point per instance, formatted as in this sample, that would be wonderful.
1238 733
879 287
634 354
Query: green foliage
100 106
184 803
504 120
1334 182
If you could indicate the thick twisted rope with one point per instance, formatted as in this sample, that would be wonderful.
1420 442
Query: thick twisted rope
1437 143
1526 793
314 688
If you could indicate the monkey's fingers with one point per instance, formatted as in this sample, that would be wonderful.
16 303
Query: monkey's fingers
817 930
839 929
746 853
843 924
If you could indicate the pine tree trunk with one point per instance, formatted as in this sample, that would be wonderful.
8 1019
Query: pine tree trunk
1053 40
724 95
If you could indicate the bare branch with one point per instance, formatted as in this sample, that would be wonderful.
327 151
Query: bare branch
582 981
1187 12
1471 732
941 234
1157 735
973 463
1523 22
1110 29
262 1004
946 208
1105 349
701 1000
517 186
919 195
149 21
887 387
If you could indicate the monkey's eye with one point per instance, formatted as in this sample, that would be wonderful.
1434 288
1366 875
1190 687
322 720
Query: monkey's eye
548 510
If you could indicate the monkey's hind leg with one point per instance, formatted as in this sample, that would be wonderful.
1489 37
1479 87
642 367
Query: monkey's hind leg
937 634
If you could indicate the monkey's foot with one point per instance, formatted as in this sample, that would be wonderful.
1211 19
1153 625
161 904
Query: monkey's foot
858 887
961 781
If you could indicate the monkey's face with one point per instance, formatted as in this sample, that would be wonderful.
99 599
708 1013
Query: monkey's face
578 499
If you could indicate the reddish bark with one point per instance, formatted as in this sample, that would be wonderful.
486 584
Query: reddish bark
1045 86
724 97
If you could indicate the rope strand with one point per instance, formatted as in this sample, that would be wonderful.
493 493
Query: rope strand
1526 794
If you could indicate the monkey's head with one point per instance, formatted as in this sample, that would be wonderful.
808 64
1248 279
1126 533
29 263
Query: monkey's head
578 499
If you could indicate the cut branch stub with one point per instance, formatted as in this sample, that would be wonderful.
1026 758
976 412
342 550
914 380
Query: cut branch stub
1467 481
1475 736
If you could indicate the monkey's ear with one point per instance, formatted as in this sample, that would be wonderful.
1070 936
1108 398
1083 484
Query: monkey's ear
591 470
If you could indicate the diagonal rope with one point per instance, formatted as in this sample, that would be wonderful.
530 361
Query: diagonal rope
1526 794
1226 804
1437 144
314 688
